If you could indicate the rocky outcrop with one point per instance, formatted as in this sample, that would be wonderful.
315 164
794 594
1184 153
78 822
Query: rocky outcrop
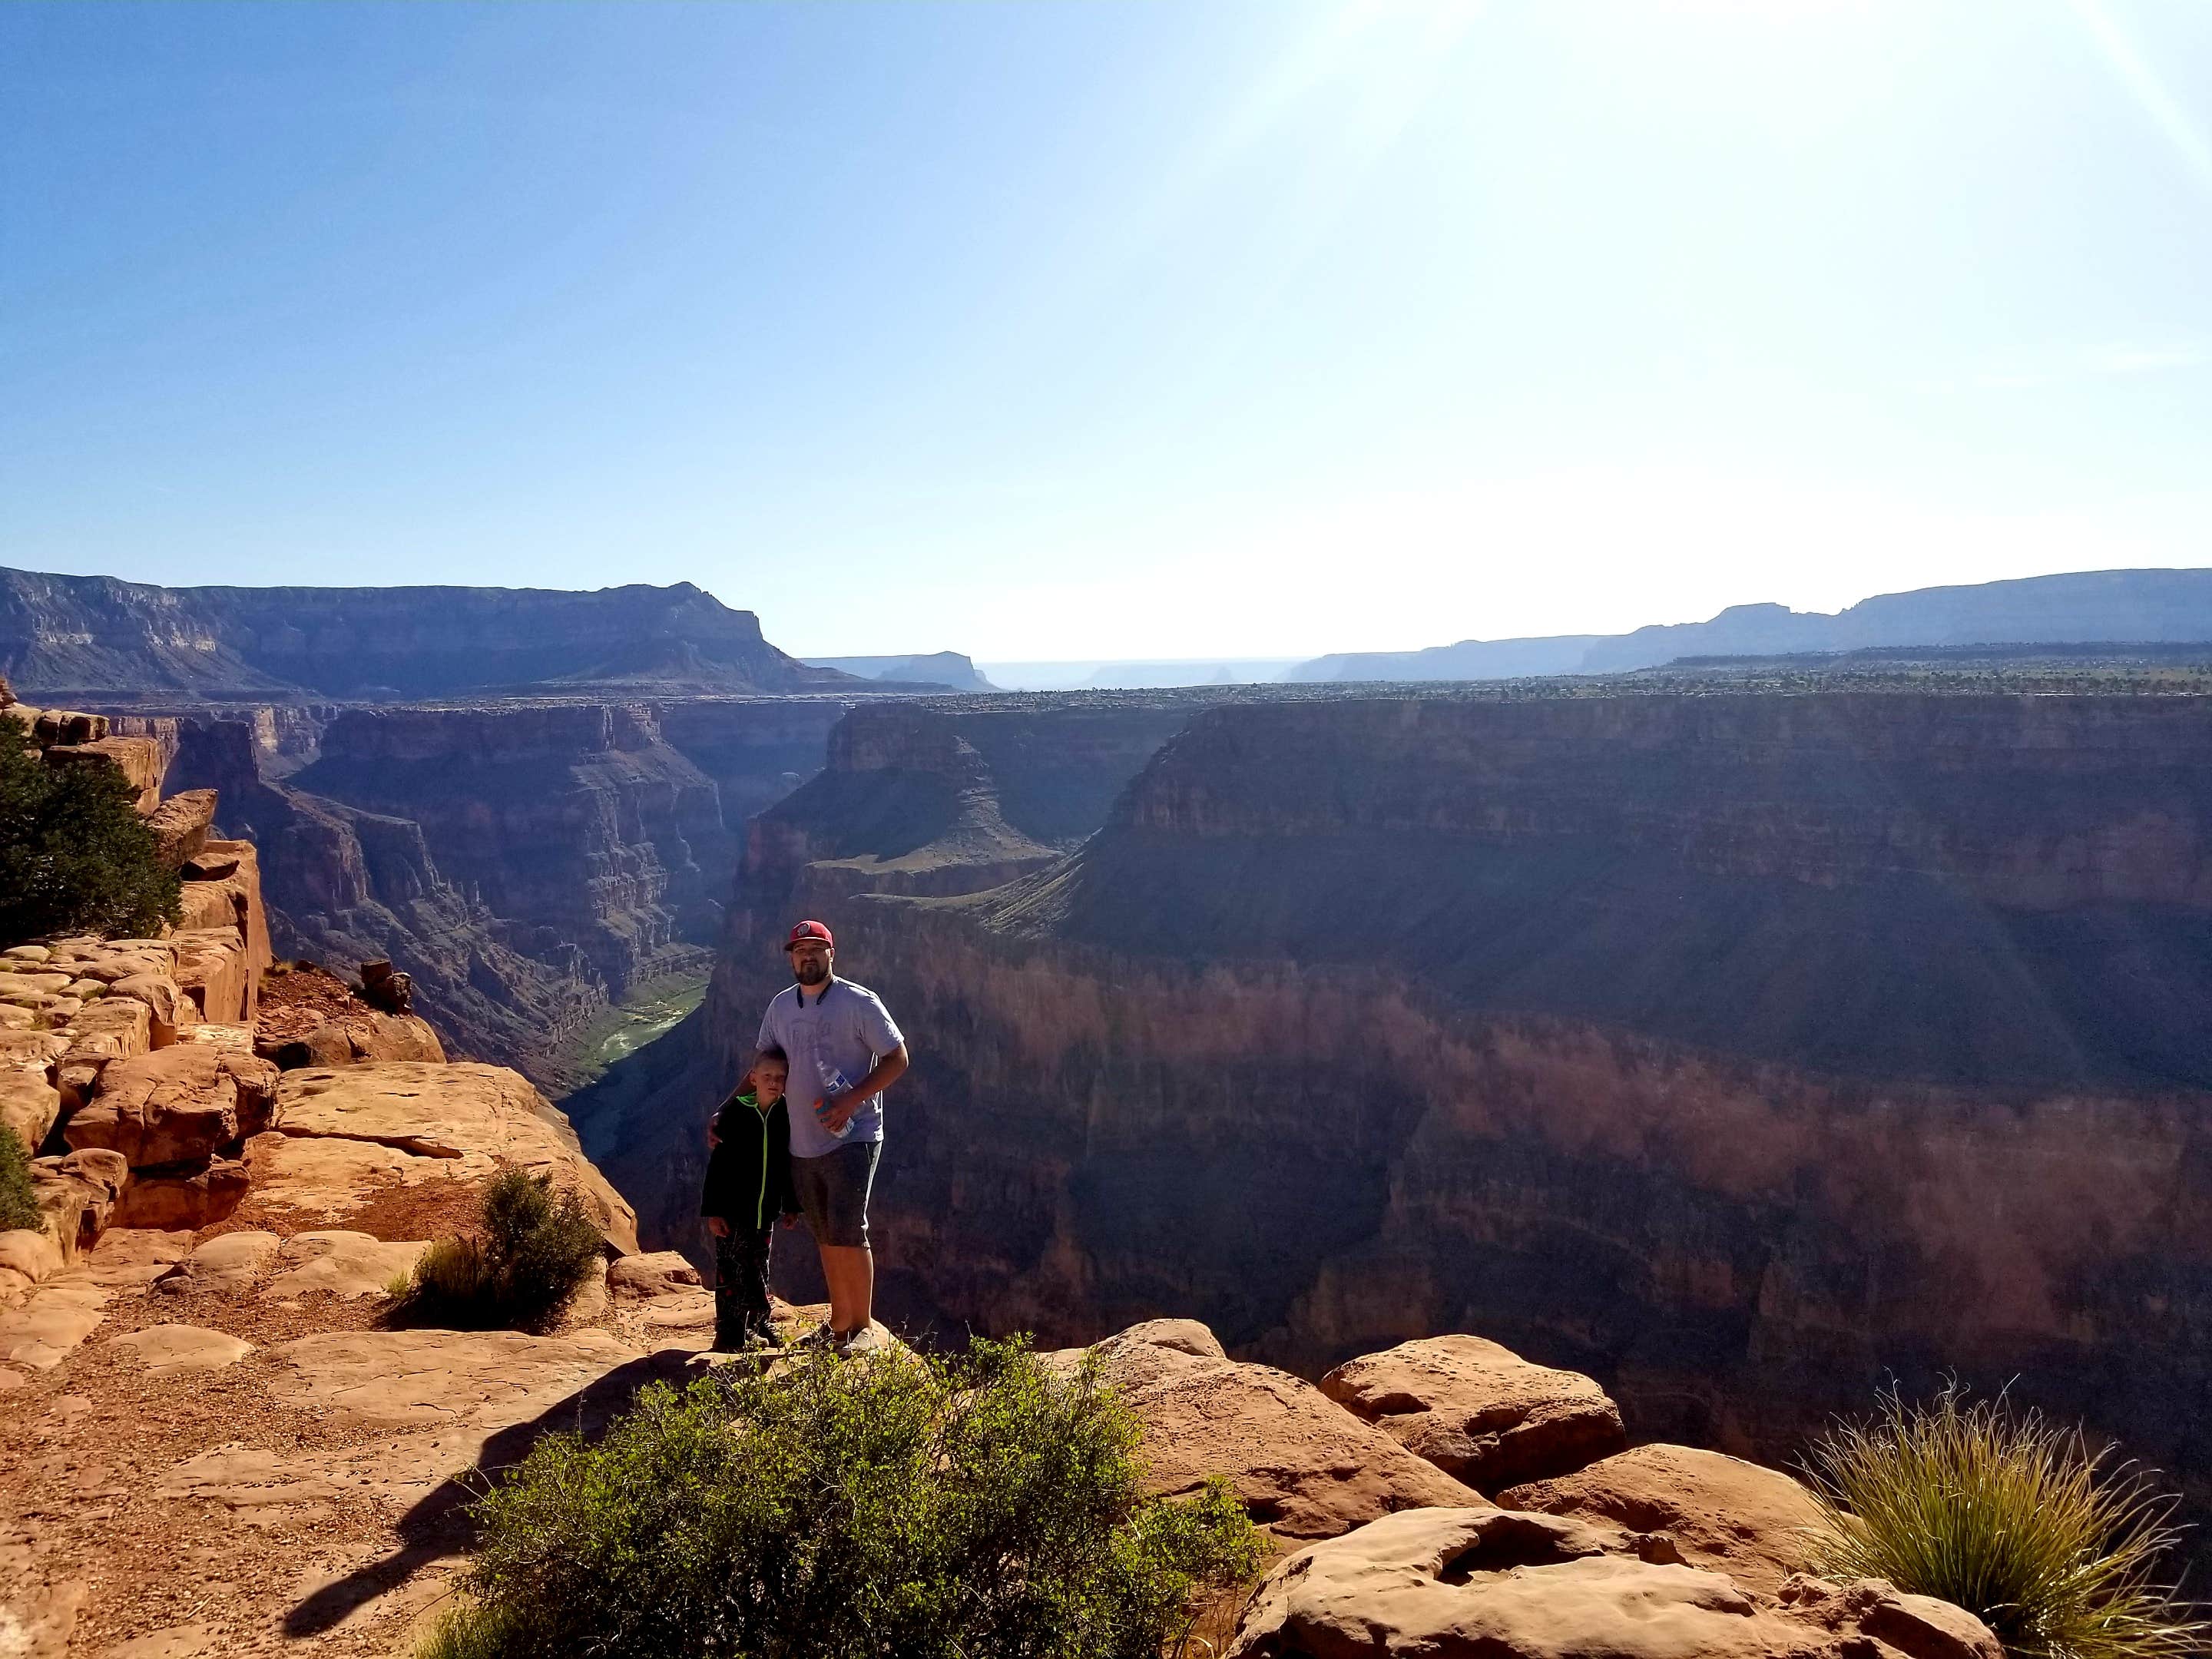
94 637
1733 1516
1486 1583
526 863
1302 1467
1479 1411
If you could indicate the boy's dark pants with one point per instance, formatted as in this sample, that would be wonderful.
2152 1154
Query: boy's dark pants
741 1286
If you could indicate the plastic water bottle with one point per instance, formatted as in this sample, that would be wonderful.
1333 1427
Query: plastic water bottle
834 1082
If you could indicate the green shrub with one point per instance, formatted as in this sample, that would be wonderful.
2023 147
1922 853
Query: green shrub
537 1246
895 1504
75 856
19 1203
2008 1515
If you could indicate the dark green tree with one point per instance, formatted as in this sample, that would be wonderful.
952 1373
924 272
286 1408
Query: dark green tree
75 856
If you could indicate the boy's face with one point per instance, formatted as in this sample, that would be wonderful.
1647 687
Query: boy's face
768 1078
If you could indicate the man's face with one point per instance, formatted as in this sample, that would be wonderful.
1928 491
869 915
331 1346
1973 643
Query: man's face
810 962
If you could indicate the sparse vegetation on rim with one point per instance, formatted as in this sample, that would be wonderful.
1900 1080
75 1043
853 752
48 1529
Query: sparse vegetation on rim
535 1249
930 1507
75 856
2012 1517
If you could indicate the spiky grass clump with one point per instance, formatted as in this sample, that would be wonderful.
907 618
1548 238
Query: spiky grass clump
2009 1517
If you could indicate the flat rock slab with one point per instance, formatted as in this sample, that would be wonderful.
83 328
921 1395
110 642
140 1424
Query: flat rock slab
1487 1583
486 1114
344 1264
658 1272
1303 1465
226 1262
316 1180
127 1256
1479 1411
50 1322
416 1379
1743 1518
170 1348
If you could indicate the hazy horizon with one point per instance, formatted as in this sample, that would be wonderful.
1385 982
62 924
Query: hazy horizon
1128 333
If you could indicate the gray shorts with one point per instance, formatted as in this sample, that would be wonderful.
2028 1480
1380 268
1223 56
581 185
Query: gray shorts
833 1192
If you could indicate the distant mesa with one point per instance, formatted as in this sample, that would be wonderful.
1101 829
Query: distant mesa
1096 674
946 669
2085 607
95 637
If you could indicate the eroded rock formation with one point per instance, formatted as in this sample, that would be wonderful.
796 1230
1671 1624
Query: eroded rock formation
1738 1051
94 638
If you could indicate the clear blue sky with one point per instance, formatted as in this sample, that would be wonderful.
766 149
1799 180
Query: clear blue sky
1127 329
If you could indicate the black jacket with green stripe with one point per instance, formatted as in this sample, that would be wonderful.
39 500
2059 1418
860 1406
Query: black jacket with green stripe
749 1176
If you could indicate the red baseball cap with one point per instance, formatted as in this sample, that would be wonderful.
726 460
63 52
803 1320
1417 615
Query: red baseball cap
810 930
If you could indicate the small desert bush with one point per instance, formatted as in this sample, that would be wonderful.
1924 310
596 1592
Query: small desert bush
75 855
924 1507
2008 1515
536 1247
19 1202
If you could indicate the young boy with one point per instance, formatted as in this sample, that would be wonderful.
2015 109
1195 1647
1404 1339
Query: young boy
748 1187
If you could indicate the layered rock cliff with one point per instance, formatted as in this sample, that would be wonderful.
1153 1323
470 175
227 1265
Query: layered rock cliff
94 637
527 861
1739 1050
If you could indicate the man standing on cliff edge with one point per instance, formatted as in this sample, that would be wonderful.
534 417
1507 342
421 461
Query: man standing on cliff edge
845 1051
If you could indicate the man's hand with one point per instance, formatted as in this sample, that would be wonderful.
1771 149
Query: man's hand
790 1221
836 1114
719 1226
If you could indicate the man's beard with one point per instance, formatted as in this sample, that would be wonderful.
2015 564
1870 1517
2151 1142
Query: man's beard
810 974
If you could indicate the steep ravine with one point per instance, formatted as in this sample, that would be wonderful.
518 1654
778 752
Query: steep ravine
1738 1050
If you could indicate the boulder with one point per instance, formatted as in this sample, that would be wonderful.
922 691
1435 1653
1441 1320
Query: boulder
180 826
28 1104
1184 1335
348 1265
1743 1518
228 1262
1479 1411
662 1272
67 725
51 1322
113 1028
212 969
77 1194
28 1257
164 1000
167 1349
189 1196
1303 1465
484 1116
1488 1583
176 1105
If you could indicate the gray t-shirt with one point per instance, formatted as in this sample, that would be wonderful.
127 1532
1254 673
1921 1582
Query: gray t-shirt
844 1031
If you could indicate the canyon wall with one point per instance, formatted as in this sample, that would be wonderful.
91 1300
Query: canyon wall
94 637
526 862
1741 1050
